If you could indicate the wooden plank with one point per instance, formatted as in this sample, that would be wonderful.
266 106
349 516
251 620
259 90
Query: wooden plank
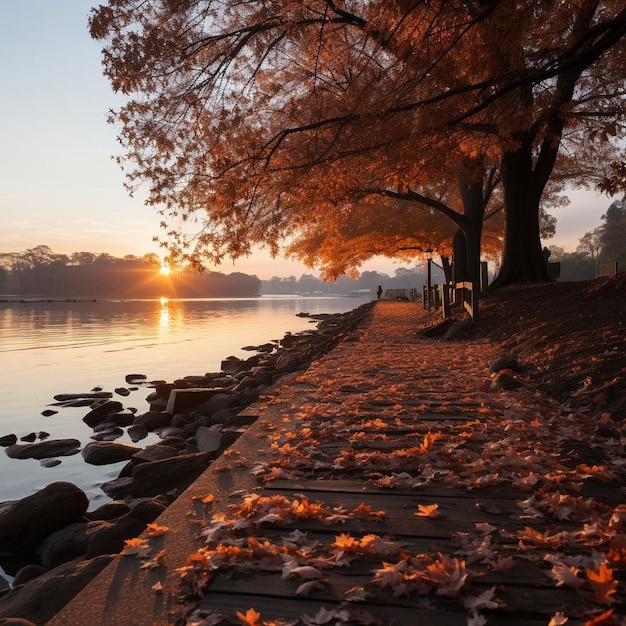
366 487
455 514
517 599
292 609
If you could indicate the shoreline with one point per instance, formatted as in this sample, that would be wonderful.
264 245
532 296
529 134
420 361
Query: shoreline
194 438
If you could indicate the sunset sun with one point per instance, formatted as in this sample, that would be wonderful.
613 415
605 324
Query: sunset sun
165 270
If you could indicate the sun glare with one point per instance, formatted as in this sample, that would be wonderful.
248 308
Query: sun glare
165 270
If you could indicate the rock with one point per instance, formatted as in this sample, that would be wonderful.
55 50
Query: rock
26 522
64 397
29 438
100 412
43 597
8 440
159 477
154 419
44 449
118 488
180 420
135 379
50 462
181 399
49 412
147 510
15 621
110 433
122 418
137 432
173 442
109 538
4 586
172 431
506 362
108 511
42 434
106 452
232 365
122 391
506 382
67 543
155 452
208 439
218 402
28 572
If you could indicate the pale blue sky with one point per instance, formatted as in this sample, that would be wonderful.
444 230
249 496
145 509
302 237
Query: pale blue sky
58 184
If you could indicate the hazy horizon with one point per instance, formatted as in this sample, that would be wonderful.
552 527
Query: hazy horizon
58 183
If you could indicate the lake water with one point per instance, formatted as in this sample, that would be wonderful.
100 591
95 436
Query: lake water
58 347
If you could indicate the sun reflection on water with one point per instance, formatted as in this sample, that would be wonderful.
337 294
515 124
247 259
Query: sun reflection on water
164 318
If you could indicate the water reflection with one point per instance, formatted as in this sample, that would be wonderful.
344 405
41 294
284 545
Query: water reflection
164 319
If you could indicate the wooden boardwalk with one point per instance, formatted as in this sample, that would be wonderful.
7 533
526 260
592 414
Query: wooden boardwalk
393 482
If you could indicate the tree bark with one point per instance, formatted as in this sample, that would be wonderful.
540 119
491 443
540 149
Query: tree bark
473 212
523 259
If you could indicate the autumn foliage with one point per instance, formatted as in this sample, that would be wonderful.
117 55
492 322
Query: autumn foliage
256 122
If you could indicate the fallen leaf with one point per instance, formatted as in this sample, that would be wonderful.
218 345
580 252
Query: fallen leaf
602 583
250 618
305 588
136 547
427 510
558 619
154 530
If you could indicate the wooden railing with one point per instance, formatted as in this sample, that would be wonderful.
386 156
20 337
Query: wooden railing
446 296
606 269
401 294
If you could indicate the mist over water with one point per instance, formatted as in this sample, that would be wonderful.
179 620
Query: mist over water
71 347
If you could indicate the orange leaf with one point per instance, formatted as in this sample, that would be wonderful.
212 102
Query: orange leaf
600 619
427 510
251 617
602 583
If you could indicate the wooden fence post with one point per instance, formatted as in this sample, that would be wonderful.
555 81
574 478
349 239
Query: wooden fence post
445 299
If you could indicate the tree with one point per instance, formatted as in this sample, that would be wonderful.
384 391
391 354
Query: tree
235 109
590 243
613 233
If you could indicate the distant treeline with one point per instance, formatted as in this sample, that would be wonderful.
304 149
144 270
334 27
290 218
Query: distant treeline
308 284
40 272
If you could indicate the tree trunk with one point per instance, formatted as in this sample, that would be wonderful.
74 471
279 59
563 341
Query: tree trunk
473 212
523 259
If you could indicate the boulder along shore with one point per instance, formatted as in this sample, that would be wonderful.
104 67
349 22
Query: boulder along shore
53 545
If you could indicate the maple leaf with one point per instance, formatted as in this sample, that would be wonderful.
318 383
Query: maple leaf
250 618
345 541
602 583
306 572
393 576
564 574
602 618
558 619
482 601
154 530
355 594
136 547
476 619
364 512
157 587
305 588
427 510
204 499
447 574
157 561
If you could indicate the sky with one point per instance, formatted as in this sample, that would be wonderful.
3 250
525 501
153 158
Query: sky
58 183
